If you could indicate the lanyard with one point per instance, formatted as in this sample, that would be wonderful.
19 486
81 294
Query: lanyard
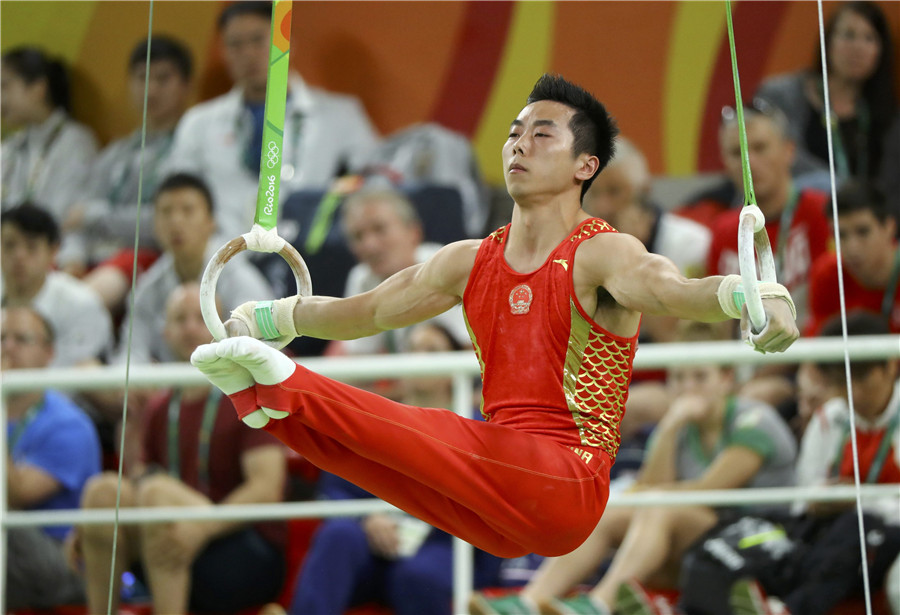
784 228
841 160
39 163
23 424
890 291
126 170
884 448
204 437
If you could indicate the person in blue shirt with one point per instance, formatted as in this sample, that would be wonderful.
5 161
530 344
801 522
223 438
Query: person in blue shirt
53 450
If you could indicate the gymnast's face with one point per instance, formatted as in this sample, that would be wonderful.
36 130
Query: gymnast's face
538 162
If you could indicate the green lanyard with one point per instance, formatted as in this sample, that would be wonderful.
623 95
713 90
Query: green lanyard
42 158
841 160
890 291
26 420
116 194
784 228
878 461
210 412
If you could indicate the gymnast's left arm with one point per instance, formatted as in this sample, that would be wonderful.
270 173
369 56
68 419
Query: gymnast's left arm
649 283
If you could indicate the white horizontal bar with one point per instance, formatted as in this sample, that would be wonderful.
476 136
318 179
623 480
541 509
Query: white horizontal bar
349 508
649 356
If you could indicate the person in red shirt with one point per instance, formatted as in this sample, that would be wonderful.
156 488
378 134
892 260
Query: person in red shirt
553 302
870 257
795 219
195 453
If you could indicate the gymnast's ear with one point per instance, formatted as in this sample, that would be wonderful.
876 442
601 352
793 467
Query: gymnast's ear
587 166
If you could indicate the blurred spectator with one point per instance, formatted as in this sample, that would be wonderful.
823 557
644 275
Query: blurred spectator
29 240
184 222
389 558
324 134
795 219
814 561
385 235
708 439
195 453
104 219
53 450
860 54
870 258
621 195
431 154
48 159
889 181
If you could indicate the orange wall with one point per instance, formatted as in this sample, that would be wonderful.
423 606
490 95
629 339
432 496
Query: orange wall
657 65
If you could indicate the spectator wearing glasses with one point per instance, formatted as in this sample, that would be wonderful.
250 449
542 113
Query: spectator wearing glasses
220 140
859 52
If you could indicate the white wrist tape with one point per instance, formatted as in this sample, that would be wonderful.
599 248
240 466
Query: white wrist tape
731 295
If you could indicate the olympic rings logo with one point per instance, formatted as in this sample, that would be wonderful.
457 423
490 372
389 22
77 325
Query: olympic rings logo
272 155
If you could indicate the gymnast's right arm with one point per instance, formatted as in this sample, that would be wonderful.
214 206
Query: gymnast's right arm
412 295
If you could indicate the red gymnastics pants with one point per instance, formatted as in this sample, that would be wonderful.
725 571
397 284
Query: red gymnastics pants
505 491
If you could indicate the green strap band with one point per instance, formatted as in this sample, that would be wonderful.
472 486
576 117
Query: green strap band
739 298
273 124
749 195
266 320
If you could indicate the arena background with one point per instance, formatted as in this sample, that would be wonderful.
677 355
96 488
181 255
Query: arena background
662 68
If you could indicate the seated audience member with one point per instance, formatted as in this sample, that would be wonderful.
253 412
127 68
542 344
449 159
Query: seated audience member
388 558
431 154
796 222
220 140
195 453
384 233
48 159
708 439
889 180
53 450
860 56
104 218
184 222
816 563
29 240
870 257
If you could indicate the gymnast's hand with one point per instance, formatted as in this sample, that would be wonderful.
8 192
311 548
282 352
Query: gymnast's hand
781 327
264 320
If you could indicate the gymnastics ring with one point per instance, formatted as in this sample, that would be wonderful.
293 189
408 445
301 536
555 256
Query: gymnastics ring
754 251
214 269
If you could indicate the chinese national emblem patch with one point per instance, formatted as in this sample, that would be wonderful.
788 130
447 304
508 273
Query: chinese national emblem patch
520 299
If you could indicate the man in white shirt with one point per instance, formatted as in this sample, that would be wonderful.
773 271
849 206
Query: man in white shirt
29 241
184 226
324 134
385 235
